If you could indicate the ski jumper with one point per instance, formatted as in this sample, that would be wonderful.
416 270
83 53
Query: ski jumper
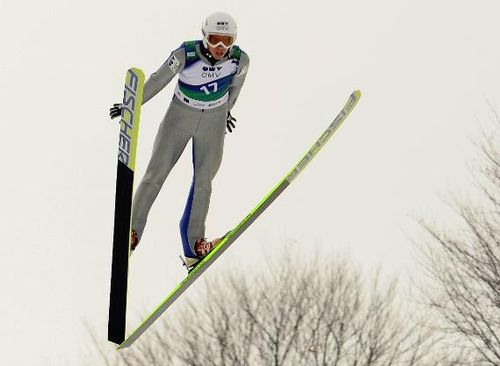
206 90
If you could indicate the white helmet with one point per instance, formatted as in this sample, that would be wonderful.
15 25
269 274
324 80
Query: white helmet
221 24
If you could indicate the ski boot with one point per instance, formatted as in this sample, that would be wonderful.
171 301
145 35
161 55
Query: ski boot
202 247
134 241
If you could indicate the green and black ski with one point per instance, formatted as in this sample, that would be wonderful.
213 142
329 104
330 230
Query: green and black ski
127 147
245 223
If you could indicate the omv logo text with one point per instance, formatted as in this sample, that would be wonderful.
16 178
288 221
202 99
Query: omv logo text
211 71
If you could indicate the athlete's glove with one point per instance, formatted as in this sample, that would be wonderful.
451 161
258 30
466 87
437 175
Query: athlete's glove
230 122
116 110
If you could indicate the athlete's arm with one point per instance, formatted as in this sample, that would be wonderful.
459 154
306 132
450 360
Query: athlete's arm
238 80
158 80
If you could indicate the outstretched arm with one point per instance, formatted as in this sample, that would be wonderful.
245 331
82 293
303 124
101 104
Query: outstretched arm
159 79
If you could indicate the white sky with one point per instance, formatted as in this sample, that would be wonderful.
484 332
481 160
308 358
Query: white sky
426 69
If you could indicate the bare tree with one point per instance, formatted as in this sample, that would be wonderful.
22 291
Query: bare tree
464 262
316 312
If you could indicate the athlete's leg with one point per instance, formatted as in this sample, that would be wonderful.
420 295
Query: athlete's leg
208 144
173 135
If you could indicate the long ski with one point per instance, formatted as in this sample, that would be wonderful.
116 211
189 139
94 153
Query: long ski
127 147
245 223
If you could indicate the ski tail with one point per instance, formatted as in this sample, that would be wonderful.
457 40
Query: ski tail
127 147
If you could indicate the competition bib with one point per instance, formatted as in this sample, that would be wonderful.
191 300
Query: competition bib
204 86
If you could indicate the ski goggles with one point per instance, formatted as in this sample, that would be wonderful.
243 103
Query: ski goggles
216 40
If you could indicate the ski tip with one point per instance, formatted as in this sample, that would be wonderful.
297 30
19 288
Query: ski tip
357 94
137 71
